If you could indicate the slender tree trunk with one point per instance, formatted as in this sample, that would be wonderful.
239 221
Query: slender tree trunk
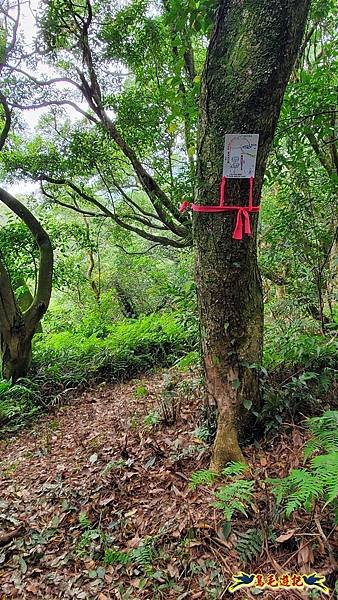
251 54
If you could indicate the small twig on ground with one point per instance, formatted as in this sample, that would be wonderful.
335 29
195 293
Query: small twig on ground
326 543
11 535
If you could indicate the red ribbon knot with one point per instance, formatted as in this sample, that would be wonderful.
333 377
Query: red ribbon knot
243 212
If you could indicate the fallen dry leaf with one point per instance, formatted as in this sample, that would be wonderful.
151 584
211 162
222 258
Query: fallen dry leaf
305 555
285 536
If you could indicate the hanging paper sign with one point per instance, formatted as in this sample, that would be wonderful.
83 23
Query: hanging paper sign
240 153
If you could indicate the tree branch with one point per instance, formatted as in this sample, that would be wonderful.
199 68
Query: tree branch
55 103
92 93
8 305
44 285
47 82
8 119
165 241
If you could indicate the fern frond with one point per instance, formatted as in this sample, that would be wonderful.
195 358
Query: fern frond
234 468
143 556
324 431
202 477
236 496
116 557
84 520
249 545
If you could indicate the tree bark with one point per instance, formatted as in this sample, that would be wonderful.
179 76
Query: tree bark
17 327
249 61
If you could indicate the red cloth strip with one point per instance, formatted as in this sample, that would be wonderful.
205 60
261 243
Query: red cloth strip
242 214
222 191
243 217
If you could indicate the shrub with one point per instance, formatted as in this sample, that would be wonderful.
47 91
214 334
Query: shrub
131 347
18 403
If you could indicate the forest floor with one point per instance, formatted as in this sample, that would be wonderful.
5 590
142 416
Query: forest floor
100 473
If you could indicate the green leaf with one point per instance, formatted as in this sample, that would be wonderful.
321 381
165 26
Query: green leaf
236 384
247 403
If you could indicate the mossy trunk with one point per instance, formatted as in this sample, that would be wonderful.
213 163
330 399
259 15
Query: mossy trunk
249 61
16 352
24 298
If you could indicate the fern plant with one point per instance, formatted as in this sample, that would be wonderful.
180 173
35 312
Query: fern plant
235 468
324 431
142 556
249 545
303 487
116 557
207 477
202 477
235 496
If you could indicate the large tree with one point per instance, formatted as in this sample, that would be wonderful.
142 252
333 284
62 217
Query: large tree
250 58
251 50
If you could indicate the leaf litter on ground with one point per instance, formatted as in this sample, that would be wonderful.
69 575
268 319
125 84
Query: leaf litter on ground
97 476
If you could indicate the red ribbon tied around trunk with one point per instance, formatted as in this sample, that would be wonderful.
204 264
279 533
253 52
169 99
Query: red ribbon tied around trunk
243 216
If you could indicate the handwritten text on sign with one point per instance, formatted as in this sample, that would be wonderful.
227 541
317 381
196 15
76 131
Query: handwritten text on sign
240 153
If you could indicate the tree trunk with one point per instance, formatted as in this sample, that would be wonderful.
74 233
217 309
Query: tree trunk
24 297
17 327
16 352
250 57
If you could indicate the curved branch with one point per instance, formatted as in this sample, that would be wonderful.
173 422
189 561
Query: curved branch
44 285
92 93
8 305
47 82
8 119
165 241
56 103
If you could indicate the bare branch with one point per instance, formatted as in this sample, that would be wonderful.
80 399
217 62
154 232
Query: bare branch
86 213
137 253
165 241
47 82
55 103
15 31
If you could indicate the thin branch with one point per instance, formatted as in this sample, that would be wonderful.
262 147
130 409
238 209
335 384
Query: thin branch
322 159
86 213
47 103
137 253
47 82
143 221
305 117
15 32
165 241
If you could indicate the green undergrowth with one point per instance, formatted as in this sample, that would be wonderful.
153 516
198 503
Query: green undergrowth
311 488
67 361
19 403
300 378
130 347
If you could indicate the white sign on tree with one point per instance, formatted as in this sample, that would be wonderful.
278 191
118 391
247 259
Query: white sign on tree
240 153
